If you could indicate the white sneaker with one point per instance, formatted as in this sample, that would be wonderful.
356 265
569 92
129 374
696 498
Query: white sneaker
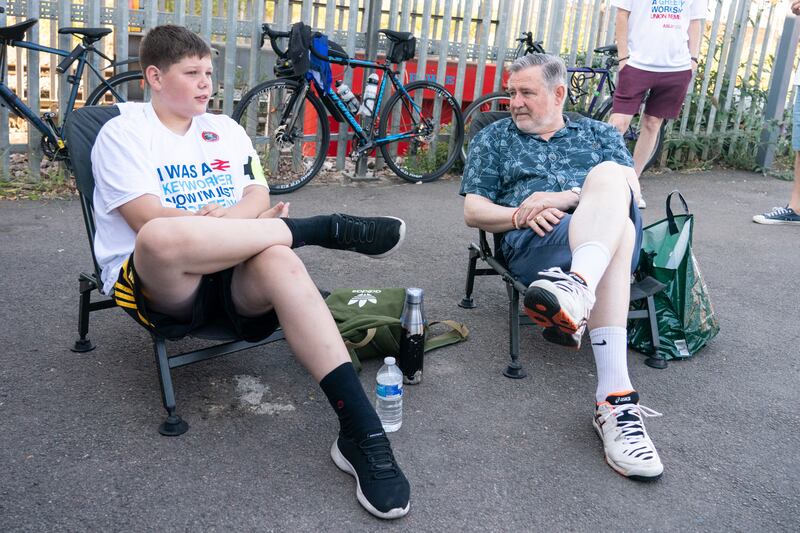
642 204
562 301
628 448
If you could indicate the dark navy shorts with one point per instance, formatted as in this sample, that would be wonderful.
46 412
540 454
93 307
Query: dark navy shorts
527 254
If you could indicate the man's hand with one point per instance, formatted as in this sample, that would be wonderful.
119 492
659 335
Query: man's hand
541 211
212 210
279 210
796 7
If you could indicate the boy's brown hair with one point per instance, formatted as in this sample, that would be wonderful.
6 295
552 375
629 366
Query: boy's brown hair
163 46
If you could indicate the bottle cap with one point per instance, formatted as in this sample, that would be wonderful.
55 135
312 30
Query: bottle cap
414 295
338 83
389 361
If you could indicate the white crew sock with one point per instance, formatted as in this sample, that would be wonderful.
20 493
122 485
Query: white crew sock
610 347
589 261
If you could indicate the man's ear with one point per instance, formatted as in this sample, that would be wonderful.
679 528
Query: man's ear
153 76
561 94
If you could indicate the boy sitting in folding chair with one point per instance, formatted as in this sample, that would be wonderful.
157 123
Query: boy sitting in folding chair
177 260
561 192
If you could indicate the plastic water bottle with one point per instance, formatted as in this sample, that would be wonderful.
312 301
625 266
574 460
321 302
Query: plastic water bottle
389 395
347 96
370 94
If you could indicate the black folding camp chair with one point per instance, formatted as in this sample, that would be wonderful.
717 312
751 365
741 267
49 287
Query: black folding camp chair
493 257
81 130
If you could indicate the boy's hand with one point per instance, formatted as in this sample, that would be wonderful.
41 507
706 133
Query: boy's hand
796 7
212 210
279 210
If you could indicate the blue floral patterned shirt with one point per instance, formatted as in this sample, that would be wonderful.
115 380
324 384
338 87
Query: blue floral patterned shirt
506 165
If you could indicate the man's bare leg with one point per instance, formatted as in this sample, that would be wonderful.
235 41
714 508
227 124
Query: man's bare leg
561 302
646 143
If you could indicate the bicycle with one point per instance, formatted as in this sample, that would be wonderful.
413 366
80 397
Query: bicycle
117 88
419 129
576 91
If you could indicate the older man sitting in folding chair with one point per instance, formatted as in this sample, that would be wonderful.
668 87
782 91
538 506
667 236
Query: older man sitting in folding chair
561 191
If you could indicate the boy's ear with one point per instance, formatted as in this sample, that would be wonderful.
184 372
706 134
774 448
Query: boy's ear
152 75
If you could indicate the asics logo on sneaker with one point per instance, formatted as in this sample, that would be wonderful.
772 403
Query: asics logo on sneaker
624 398
600 343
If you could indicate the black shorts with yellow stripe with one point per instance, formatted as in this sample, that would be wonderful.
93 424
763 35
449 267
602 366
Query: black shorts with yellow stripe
213 312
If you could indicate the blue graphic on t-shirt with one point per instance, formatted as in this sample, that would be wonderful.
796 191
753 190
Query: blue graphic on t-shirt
192 186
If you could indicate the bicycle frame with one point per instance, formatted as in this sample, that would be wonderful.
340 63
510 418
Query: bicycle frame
16 104
605 77
368 139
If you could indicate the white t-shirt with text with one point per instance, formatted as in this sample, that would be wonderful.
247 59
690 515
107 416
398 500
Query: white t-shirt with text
658 32
135 154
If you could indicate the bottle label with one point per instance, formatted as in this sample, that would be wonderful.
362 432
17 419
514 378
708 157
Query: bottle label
388 391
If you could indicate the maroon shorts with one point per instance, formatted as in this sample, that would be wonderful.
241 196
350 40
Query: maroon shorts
667 92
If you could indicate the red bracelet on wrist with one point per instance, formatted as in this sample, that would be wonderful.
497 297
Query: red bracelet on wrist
514 218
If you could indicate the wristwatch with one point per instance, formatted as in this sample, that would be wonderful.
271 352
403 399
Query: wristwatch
576 190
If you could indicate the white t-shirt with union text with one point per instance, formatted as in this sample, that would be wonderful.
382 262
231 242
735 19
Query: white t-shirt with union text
658 32
135 154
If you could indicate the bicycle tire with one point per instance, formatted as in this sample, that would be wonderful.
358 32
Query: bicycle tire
123 87
420 161
632 134
270 100
496 101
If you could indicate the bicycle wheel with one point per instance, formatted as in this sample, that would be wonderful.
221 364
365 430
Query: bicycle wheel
289 135
426 121
125 87
492 102
632 134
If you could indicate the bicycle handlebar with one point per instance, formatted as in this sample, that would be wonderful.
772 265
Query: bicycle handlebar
266 31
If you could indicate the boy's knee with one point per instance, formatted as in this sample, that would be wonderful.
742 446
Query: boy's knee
158 239
279 259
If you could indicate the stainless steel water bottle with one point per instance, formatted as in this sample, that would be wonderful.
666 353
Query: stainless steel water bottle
412 337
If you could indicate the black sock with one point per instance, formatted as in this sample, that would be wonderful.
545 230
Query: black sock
356 415
310 230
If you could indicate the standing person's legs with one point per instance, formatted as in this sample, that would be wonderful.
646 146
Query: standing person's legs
649 127
791 213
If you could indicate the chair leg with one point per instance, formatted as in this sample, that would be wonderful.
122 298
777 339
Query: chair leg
83 344
514 370
467 302
173 425
657 360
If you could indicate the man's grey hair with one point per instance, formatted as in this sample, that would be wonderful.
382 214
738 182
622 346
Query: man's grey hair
554 70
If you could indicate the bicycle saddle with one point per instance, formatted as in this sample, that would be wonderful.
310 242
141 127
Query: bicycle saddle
607 49
17 31
397 36
90 34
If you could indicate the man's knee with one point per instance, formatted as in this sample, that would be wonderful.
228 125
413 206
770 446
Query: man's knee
607 176
620 121
651 123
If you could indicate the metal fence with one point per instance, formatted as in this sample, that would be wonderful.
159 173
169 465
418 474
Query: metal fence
460 43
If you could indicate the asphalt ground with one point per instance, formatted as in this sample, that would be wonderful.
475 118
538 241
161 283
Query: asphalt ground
79 448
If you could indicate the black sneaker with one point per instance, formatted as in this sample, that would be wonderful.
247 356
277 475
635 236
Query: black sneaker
381 487
373 236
